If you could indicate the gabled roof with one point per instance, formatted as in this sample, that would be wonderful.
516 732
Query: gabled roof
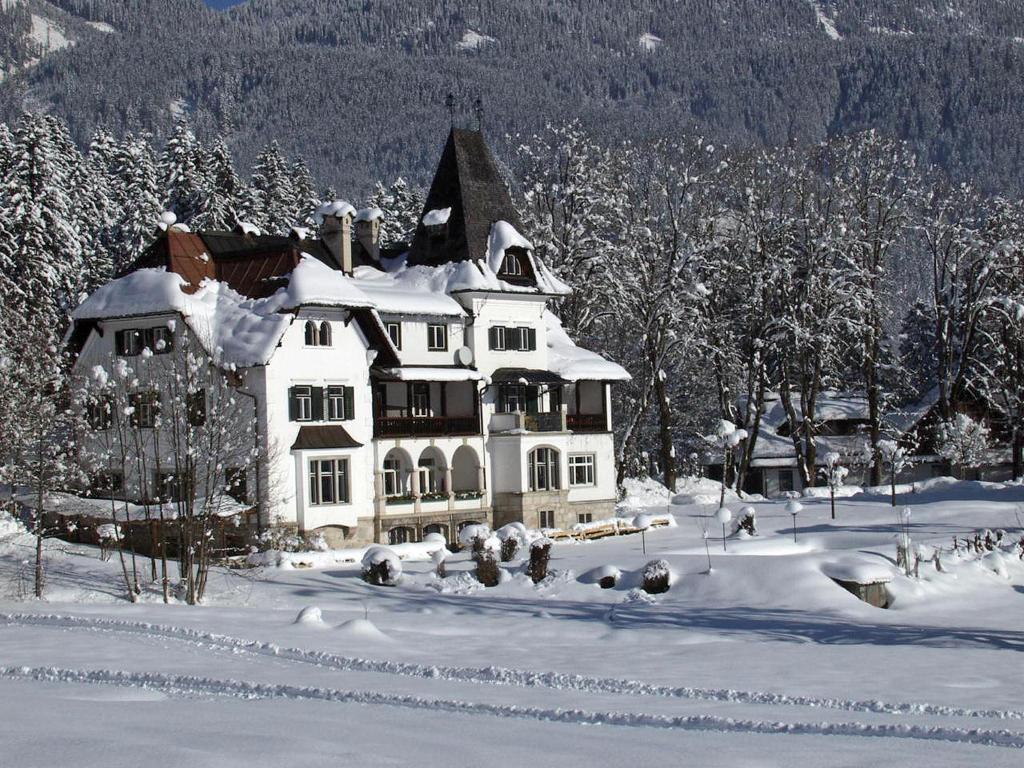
468 182
331 436
253 265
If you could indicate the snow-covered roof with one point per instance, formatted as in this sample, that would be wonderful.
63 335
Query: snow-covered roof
313 283
829 406
574 363
408 291
234 330
437 216
433 373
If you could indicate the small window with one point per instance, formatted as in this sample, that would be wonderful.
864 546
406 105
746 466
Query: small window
585 517
581 470
395 333
100 414
172 487
159 340
325 334
393 477
512 265
302 403
312 334
437 337
195 408
128 342
547 518
402 534
543 469
145 409
785 480
328 481
525 339
496 338
340 403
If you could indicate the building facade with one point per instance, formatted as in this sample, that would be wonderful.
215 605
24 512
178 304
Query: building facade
397 392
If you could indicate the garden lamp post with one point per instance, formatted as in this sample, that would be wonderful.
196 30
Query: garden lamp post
793 507
723 515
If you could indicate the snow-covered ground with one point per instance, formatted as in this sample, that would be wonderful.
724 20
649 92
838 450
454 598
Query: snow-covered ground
762 661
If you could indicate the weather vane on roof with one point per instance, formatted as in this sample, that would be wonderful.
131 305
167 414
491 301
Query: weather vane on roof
478 110
449 102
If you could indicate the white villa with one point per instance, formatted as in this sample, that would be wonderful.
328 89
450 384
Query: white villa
400 393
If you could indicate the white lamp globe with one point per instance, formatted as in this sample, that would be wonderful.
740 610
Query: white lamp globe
723 515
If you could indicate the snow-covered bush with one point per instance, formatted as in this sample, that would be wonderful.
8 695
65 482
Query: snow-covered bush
487 571
509 549
540 556
438 558
747 521
381 567
962 441
657 577
608 576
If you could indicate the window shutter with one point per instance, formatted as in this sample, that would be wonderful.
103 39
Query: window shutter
121 342
350 403
492 337
293 405
531 339
318 403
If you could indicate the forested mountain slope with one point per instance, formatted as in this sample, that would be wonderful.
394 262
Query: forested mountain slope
357 87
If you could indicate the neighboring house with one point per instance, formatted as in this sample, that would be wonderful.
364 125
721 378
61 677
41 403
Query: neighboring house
843 422
400 393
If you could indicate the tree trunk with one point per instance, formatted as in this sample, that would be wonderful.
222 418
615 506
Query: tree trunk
668 459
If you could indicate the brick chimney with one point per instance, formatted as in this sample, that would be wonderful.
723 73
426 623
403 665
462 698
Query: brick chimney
368 231
336 232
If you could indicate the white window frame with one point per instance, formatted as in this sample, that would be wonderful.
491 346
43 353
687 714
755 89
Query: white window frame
335 395
432 345
419 410
586 462
394 330
303 402
393 477
546 516
500 338
551 467
336 471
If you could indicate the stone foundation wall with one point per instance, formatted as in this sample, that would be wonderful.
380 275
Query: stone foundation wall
525 508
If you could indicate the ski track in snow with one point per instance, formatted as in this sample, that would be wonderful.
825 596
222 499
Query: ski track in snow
515 678
187 684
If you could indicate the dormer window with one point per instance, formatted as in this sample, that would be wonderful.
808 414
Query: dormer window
511 266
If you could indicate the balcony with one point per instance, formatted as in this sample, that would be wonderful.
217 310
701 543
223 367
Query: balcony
587 422
425 426
518 421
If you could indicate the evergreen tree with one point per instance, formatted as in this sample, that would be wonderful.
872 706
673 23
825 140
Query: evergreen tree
184 174
221 206
273 200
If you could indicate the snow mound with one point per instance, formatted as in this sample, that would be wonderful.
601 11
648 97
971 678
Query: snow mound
472 40
10 526
362 629
436 216
859 570
310 616
471 532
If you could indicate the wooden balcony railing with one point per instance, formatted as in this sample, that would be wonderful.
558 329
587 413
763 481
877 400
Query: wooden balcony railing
587 422
425 426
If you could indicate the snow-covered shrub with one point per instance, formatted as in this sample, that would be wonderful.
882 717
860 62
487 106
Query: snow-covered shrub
487 571
509 549
438 558
962 441
657 577
381 567
540 556
747 521
608 576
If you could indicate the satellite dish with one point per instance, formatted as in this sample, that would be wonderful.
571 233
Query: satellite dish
464 356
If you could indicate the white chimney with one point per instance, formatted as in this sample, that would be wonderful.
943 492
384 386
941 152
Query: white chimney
335 221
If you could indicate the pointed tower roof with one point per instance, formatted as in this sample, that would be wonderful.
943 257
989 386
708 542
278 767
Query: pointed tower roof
467 181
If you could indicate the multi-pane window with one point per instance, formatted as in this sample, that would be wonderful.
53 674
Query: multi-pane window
340 403
501 338
420 393
785 480
581 469
518 398
236 485
430 481
543 469
328 481
100 413
511 265
585 517
107 482
437 337
145 409
131 341
393 477
395 333
547 518
302 403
